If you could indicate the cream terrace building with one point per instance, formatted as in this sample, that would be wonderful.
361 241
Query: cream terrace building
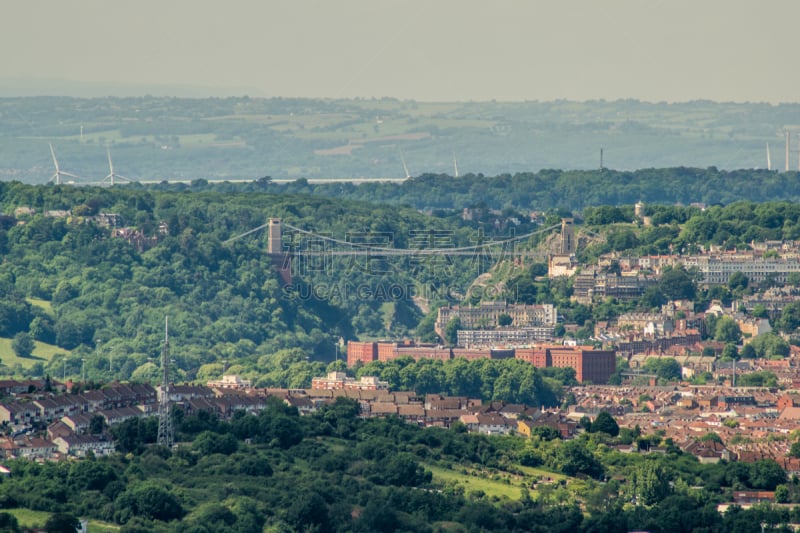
717 269
487 315
230 382
340 380
475 338
650 324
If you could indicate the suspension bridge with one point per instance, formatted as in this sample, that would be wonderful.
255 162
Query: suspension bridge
318 244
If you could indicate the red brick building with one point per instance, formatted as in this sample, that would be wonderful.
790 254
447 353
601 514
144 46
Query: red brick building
590 365
441 354
392 350
537 356
386 350
365 352
787 400
471 353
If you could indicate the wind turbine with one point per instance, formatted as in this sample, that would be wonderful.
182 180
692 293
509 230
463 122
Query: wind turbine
56 177
769 159
455 164
403 159
112 176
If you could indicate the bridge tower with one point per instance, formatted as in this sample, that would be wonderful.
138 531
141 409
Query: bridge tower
281 260
275 243
568 244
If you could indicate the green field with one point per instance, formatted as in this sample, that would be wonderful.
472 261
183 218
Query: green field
28 518
43 353
36 519
503 484
43 304
474 482
540 473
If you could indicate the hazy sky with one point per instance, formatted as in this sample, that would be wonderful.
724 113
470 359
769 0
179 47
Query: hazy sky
672 50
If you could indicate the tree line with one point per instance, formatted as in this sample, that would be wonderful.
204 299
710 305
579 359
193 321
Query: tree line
548 189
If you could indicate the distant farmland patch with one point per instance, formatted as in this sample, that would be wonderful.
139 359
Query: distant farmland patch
347 149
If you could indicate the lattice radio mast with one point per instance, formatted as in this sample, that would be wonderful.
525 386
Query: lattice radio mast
166 432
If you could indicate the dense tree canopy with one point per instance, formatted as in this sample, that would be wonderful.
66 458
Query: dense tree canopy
677 284
69 282
727 330
605 423
509 380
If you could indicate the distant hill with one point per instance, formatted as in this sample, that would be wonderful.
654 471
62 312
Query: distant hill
156 137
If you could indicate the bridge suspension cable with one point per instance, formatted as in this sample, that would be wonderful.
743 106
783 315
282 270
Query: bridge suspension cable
418 251
246 233
382 250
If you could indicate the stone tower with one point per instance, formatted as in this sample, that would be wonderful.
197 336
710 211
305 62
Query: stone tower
281 259
275 242
568 243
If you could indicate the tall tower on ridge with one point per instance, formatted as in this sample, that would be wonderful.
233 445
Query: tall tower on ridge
166 432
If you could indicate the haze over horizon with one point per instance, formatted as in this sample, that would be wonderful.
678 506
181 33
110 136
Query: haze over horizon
448 50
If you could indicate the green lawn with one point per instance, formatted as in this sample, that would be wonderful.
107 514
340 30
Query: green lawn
43 304
28 518
507 486
42 353
95 526
477 481
574 485
541 473
36 519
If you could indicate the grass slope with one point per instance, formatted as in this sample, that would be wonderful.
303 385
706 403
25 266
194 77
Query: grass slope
473 481
501 484
36 520
42 353
43 304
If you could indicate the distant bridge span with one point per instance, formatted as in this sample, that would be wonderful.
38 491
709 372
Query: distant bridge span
339 247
